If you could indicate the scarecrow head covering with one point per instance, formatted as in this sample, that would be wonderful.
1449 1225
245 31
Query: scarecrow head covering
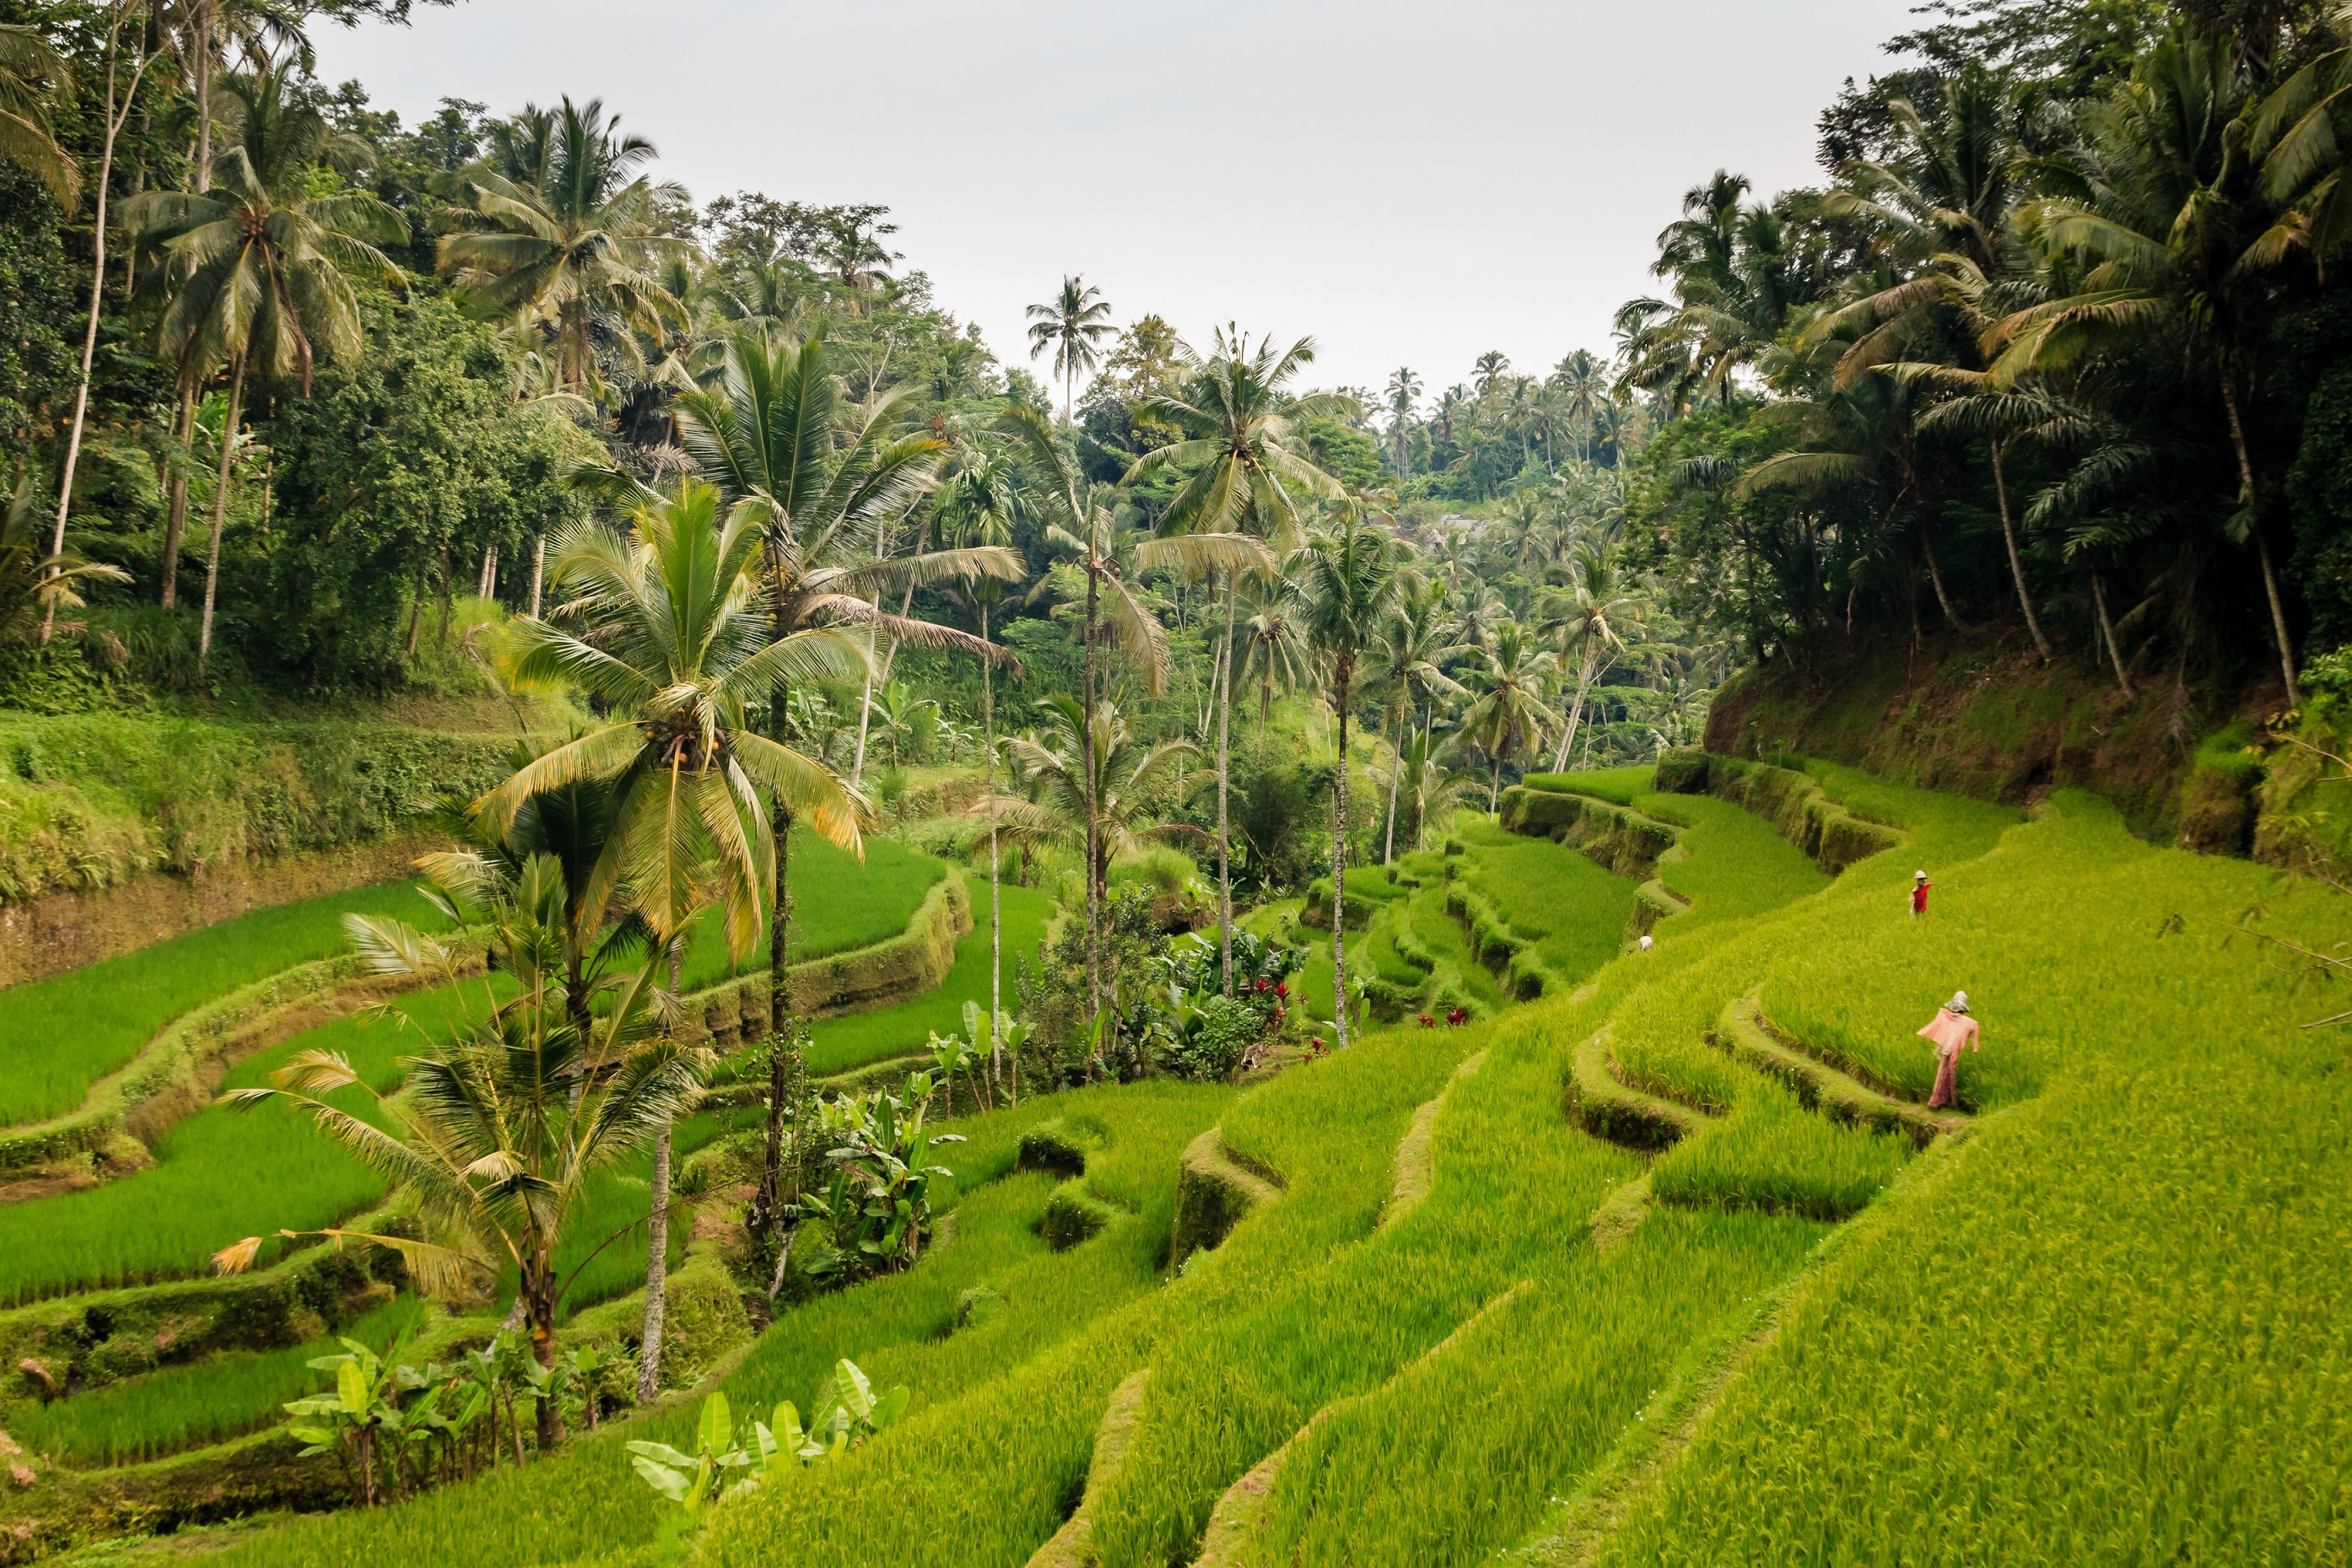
1958 1004
1918 876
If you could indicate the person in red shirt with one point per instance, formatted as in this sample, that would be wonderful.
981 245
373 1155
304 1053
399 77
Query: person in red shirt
1919 886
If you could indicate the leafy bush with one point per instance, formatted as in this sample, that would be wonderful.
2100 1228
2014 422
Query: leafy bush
1220 1037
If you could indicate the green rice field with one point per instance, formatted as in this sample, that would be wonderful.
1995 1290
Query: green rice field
2098 1320
187 1406
60 1035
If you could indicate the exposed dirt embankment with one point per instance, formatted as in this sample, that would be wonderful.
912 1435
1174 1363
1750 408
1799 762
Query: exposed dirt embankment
1994 722
62 931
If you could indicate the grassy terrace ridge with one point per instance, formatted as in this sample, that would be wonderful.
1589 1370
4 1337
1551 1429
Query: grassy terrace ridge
1724 1372
60 1035
220 1173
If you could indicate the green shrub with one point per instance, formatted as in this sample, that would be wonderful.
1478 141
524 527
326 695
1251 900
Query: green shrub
1213 1048
1073 1216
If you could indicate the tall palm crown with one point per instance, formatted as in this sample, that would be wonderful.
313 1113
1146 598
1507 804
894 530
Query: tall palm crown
1274 654
1735 278
265 260
779 437
672 635
1069 327
559 225
1583 382
1507 713
1405 389
31 73
1243 442
1347 585
1590 618
1138 784
500 1129
2193 196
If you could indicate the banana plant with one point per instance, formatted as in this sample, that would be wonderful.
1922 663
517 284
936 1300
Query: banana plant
879 1202
727 1462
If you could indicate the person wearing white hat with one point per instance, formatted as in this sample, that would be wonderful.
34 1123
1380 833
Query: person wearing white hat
1950 1031
1919 886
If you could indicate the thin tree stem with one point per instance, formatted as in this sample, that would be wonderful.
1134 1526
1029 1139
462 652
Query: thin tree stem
220 509
1224 824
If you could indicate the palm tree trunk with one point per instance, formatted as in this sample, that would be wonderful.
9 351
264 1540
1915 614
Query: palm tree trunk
175 526
1396 777
1936 576
541 1315
1493 785
865 703
1224 754
2107 627
656 1248
995 901
114 122
1086 745
2016 567
220 509
1575 713
1341 676
2261 544
768 1205
538 573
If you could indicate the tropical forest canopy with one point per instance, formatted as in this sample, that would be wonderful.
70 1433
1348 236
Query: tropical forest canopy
2053 344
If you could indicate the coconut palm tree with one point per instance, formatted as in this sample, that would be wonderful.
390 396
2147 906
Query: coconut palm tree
1347 587
1507 713
1590 618
500 1128
672 635
1403 393
1583 382
1408 671
810 472
1241 444
2190 210
1133 787
1077 319
1083 528
1275 651
260 264
982 503
572 245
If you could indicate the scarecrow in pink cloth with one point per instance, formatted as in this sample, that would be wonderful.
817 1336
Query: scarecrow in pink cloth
1951 1030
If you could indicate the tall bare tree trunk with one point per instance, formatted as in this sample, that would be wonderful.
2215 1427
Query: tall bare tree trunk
114 123
2247 494
1936 576
996 896
1224 820
656 1247
176 524
2107 627
538 573
2016 566
220 509
1086 745
1396 777
1342 675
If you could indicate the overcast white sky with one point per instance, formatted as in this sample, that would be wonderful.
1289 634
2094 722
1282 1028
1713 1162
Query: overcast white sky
1413 182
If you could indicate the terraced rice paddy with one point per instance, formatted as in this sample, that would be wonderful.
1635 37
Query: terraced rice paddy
188 1406
859 1039
60 1035
2101 1321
